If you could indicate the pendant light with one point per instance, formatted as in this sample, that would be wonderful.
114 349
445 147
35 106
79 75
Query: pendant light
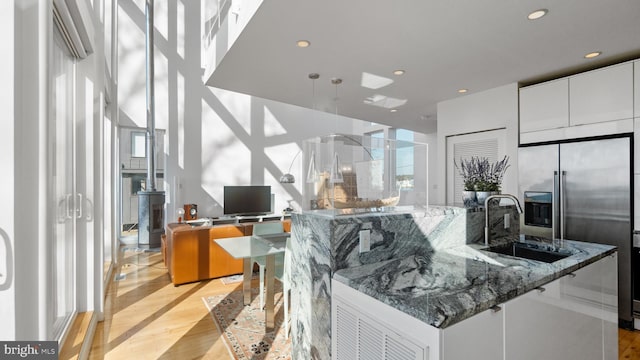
336 173
312 171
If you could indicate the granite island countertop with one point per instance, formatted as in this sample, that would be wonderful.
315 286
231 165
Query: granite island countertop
447 286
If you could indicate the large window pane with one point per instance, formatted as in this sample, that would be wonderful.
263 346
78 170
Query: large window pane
404 159
61 171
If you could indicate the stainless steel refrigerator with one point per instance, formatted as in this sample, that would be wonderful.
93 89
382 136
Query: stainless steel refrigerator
582 190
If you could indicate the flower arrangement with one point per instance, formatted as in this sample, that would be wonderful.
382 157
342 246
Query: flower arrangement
478 174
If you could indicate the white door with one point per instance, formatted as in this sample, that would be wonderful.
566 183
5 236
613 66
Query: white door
489 144
62 172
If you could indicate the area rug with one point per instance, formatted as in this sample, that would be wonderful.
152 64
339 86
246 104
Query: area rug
242 327
234 279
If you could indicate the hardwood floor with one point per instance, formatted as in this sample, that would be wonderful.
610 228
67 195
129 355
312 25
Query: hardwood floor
628 345
146 317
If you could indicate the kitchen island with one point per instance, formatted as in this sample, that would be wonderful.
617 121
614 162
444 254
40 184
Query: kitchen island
464 302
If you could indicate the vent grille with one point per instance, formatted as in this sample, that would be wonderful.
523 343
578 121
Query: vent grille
395 350
465 150
346 333
357 336
369 341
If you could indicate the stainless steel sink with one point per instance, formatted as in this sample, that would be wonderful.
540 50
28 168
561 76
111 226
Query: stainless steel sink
537 252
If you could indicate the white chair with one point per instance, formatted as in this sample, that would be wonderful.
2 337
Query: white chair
283 274
265 229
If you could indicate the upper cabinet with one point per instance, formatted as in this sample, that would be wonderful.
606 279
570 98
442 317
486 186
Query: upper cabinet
544 106
601 95
594 103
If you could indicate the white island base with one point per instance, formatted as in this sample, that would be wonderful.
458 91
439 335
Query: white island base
573 317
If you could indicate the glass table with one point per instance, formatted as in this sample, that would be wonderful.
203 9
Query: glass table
246 247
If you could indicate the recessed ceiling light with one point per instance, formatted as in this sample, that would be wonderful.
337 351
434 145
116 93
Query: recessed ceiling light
303 43
393 110
398 72
462 91
591 55
537 14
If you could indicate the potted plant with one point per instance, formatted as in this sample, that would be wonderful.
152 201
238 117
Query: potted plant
491 175
481 178
468 169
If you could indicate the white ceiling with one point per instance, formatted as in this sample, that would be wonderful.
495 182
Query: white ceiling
443 45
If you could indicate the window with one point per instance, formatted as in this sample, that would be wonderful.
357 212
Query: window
397 156
138 144
377 145
404 159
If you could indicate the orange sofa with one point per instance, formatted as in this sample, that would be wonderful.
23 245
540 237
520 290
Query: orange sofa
192 255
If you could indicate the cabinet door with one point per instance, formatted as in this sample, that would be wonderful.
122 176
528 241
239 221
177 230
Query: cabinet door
538 326
478 337
544 106
593 292
601 95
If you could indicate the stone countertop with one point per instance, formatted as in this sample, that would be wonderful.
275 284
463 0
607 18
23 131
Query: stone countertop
448 286
351 214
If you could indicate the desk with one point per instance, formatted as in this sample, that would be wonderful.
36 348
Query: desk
246 247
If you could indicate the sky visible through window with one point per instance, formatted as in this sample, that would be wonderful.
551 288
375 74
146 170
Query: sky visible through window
404 152
404 159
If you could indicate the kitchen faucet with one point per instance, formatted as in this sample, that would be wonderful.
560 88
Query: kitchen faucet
486 212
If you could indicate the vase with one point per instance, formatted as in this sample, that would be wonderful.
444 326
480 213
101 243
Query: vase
481 196
469 198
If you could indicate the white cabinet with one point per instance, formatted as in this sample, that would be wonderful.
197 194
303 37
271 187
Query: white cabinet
544 106
540 325
601 95
481 334
363 328
594 103
580 309
574 317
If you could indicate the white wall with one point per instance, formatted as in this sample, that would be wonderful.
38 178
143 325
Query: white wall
214 137
492 109
29 156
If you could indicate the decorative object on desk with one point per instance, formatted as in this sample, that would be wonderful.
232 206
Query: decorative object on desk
180 213
289 208
190 211
242 327
481 176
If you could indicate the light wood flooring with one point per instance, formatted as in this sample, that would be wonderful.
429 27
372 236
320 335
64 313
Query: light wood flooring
146 317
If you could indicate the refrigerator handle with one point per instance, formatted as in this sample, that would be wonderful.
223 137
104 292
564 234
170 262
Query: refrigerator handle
554 202
563 174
